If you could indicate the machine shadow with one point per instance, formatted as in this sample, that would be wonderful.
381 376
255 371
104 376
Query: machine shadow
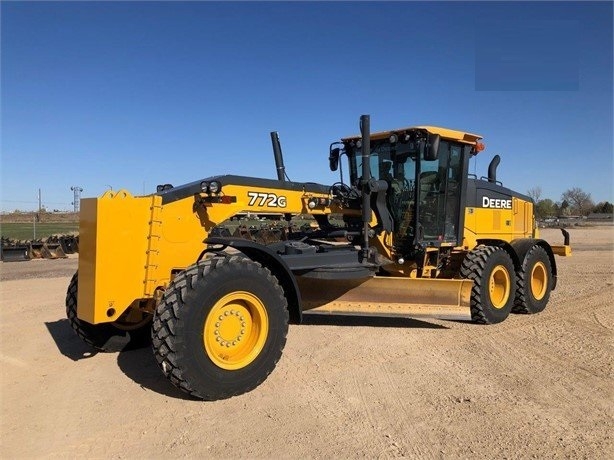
140 366
310 319
67 341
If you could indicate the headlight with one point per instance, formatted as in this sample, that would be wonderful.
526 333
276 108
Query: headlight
215 187
204 186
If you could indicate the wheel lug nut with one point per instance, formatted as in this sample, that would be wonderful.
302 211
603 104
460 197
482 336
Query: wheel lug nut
221 318
243 324
226 313
242 331
217 324
234 343
216 332
218 339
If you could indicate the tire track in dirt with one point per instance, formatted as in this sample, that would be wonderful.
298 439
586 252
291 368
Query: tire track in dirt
385 413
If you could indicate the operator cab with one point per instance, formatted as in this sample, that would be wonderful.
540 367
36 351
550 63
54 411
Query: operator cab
425 169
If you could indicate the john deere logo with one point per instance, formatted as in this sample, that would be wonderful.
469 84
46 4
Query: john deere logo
496 203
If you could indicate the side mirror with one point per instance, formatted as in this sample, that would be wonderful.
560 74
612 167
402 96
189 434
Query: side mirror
333 159
432 147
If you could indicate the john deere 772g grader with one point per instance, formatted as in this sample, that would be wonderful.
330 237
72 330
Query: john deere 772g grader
415 236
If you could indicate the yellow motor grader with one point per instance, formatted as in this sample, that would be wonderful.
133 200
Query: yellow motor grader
410 234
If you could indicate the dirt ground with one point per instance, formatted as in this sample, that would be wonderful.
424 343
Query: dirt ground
532 387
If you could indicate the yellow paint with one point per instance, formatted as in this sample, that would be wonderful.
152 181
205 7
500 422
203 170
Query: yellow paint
388 296
562 250
446 133
113 243
383 244
539 280
504 225
235 330
499 286
129 246
498 224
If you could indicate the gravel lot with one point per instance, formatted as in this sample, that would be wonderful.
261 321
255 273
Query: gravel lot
534 386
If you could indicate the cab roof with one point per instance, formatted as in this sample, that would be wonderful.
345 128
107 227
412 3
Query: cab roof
445 133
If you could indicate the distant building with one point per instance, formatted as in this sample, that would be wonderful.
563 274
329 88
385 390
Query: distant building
602 217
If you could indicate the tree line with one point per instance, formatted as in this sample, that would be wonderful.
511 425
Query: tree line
574 202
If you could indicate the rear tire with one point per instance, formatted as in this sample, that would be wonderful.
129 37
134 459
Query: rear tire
220 327
108 337
494 280
534 282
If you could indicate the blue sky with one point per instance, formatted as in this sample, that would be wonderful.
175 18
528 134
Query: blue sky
130 95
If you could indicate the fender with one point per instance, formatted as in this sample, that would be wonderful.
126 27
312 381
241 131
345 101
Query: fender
271 260
518 249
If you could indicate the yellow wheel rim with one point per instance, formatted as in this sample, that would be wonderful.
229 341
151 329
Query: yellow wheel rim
499 286
235 330
539 280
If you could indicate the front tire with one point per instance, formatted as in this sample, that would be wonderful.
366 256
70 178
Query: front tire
534 282
220 327
492 271
108 337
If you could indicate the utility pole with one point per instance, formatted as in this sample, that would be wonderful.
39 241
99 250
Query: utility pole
76 197
39 201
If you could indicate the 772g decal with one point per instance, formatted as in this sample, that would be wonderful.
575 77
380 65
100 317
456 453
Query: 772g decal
269 200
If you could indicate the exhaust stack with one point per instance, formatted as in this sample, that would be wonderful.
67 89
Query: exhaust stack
279 159
365 130
492 169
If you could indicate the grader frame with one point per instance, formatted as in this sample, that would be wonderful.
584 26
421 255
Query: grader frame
420 238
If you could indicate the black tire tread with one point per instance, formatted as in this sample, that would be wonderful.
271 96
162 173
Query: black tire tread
472 268
71 313
103 337
167 343
521 302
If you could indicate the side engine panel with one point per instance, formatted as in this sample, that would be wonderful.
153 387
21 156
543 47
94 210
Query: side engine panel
493 212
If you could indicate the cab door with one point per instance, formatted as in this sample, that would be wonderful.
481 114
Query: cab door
440 189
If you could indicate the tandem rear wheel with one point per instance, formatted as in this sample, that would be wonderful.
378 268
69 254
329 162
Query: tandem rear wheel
494 283
220 327
534 282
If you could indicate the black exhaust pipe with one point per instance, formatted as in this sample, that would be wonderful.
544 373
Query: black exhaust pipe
492 169
365 130
279 159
